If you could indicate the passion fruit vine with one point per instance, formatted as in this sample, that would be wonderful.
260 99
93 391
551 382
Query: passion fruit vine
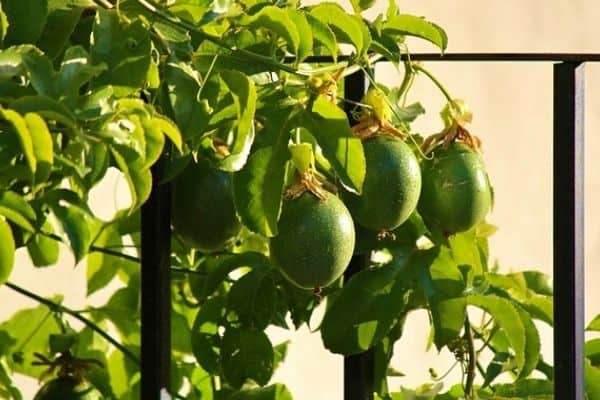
203 210
456 194
68 388
392 185
315 240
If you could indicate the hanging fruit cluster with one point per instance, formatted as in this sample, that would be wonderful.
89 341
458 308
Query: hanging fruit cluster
316 228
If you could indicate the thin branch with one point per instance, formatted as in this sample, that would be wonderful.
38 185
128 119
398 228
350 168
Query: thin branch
96 249
60 308
472 360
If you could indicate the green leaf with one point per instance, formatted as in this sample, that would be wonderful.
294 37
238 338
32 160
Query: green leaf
410 25
205 333
7 251
62 342
536 281
216 269
448 319
125 47
3 26
75 71
361 5
592 381
170 130
594 325
41 73
30 329
184 89
253 298
445 275
58 28
525 388
277 20
244 97
272 392
15 208
305 47
155 142
26 20
258 188
138 180
47 107
499 364
507 317
466 253
11 60
592 351
367 307
323 34
102 267
22 131
330 127
246 354
43 250
76 226
532 343
346 28
43 147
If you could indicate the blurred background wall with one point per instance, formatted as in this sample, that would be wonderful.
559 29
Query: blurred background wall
512 106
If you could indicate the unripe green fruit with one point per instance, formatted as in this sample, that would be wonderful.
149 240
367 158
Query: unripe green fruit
7 251
203 213
315 241
391 187
456 193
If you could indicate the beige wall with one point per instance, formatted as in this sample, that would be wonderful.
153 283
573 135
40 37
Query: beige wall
512 107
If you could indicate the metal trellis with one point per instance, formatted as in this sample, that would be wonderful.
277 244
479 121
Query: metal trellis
568 240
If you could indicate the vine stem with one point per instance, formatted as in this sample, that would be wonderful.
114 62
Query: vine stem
436 82
472 360
148 5
66 310
96 249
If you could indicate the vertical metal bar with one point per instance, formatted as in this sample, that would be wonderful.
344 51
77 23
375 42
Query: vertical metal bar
568 231
156 295
358 368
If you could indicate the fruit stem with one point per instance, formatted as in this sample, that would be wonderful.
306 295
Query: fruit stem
409 74
436 82
472 360
63 309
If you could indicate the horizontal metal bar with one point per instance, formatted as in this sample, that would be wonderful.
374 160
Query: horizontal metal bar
482 57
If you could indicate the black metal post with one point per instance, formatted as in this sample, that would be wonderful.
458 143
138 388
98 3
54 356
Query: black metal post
358 368
568 231
156 287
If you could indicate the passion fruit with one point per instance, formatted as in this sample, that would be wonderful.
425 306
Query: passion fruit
68 388
456 193
203 212
315 241
391 187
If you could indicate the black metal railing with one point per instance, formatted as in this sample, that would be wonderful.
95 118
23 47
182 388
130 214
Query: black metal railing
568 240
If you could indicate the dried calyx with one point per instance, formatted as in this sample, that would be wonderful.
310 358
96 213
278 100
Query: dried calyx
456 115
375 119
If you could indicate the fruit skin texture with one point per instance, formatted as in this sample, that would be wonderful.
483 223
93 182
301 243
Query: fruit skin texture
203 213
391 188
456 193
315 240
68 388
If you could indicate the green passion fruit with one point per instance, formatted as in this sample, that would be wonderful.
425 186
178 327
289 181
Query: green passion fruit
391 188
203 212
456 193
315 241
68 388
